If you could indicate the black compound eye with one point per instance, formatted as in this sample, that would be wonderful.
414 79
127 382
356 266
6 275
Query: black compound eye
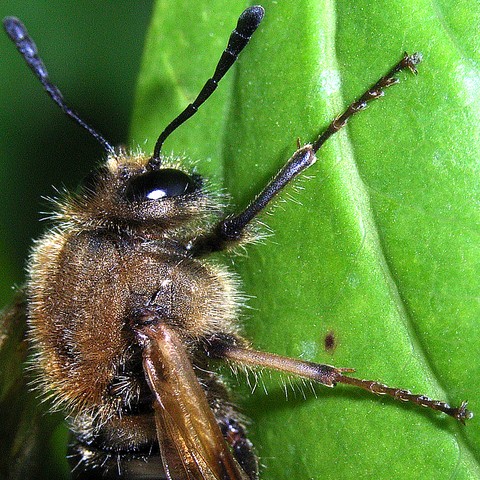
163 183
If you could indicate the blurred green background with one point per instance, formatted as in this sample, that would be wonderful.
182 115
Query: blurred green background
92 50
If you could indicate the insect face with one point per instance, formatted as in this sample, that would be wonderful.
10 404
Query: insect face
127 192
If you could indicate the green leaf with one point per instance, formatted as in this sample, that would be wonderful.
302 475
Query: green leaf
382 251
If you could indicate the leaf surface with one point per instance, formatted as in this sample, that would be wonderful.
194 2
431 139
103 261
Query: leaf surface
382 252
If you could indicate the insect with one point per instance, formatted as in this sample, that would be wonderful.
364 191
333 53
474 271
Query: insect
126 313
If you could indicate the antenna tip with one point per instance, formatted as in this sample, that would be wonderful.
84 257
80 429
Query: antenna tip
250 19
14 28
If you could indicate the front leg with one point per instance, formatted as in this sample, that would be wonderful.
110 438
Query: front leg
234 229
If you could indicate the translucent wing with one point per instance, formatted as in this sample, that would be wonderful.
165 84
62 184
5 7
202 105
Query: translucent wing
13 404
25 430
191 443
13 326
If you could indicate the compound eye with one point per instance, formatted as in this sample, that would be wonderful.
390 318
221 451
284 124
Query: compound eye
163 183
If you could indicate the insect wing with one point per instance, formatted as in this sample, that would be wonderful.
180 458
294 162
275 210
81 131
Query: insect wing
25 430
13 404
191 443
18 445
13 349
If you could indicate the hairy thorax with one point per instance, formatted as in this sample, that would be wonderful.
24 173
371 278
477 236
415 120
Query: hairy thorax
85 290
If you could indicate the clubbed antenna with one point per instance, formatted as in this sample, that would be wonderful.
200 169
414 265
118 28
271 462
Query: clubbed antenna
27 48
246 26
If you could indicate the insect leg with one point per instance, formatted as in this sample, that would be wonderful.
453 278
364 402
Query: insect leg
232 229
225 348
242 448
409 62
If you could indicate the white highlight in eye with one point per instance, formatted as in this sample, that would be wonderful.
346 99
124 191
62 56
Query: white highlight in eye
156 194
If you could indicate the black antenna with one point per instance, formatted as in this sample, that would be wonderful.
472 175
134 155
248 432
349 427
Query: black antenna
246 26
27 48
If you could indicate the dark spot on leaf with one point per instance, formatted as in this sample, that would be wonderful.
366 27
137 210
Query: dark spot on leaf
329 342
